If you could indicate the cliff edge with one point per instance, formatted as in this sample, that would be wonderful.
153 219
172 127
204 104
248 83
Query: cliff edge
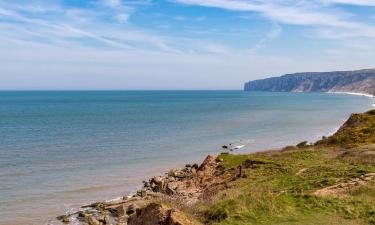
358 81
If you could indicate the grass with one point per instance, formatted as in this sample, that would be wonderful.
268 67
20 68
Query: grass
280 191
357 131
275 193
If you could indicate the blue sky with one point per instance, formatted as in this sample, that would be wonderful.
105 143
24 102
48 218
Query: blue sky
178 44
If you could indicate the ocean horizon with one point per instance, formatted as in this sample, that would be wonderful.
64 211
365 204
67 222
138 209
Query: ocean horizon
63 149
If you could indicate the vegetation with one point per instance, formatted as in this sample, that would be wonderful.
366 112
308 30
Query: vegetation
282 189
357 131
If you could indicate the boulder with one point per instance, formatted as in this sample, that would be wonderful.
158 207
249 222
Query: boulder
158 214
91 220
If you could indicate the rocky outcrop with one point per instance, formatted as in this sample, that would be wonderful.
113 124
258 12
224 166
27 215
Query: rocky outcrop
158 214
359 81
192 183
185 186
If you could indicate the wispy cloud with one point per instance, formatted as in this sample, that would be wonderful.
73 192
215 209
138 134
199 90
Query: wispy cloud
294 12
127 41
272 34
352 2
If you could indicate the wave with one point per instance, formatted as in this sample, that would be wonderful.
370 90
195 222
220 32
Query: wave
352 93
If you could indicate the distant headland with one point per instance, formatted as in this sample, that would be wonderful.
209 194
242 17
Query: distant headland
358 81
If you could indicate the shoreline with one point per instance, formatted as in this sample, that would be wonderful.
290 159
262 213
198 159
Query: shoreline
182 189
351 93
260 123
354 93
138 193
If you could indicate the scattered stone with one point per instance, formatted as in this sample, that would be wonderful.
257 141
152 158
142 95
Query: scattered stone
120 211
187 185
107 220
141 193
91 220
195 166
64 218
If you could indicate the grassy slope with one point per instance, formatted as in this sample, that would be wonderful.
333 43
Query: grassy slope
280 191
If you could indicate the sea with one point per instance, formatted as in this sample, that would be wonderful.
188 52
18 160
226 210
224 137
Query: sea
63 149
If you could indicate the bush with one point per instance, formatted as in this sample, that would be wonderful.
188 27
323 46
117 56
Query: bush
216 214
303 144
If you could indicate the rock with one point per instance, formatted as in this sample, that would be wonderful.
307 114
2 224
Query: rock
122 221
177 173
195 166
172 172
131 209
120 211
171 188
66 219
107 221
100 218
82 214
158 214
157 183
141 193
146 184
91 220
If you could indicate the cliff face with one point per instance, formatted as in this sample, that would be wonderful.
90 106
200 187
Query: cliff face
360 81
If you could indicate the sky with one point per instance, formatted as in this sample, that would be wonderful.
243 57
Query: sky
178 44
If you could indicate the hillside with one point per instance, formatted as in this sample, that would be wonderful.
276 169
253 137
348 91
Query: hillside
359 81
328 182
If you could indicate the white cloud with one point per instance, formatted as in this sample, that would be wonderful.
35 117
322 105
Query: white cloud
123 17
296 13
52 46
274 33
113 3
351 2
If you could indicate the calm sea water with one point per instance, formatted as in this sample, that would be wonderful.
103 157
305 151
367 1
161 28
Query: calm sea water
59 150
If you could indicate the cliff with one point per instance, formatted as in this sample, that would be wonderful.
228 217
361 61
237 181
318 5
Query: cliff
359 81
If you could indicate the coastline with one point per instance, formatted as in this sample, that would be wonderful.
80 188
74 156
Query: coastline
351 93
148 194
266 126
195 183
354 93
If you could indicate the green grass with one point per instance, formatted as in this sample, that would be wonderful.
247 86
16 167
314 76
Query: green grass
357 131
274 193
280 191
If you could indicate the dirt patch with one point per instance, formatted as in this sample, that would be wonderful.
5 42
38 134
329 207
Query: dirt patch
345 186
301 171
160 214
